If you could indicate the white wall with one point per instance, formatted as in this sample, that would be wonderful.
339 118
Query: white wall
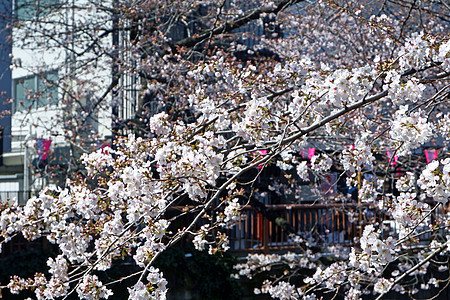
39 47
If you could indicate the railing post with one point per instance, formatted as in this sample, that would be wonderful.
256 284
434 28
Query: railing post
265 235
360 217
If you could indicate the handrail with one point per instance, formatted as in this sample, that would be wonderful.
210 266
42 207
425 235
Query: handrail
308 206
285 206
321 224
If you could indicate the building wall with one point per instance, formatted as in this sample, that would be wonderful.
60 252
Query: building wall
5 76
54 91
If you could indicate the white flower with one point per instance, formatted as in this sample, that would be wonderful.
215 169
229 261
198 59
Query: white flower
302 171
139 292
356 157
232 211
443 55
91 288
401 92
199 242
406 183
436 182
382 286
415 53
321 163
159 124
410 129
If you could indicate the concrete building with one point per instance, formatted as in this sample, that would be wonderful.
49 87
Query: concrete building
56 96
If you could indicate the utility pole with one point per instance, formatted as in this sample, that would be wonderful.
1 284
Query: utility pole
115 69
26 166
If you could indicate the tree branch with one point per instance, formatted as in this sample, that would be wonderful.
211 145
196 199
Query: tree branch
235 24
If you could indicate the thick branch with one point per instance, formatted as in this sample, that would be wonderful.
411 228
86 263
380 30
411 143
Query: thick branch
235 24
330 118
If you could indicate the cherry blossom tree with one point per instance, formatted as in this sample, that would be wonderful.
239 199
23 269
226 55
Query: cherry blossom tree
368 80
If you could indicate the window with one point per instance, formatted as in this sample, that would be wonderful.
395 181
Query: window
30 9
35 91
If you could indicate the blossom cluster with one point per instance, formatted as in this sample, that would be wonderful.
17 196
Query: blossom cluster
404 124
246 117
435 180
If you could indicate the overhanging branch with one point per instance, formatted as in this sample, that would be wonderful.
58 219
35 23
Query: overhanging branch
236 23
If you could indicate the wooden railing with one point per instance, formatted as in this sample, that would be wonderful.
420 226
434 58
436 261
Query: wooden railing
319 224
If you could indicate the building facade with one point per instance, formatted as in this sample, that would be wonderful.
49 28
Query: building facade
61 98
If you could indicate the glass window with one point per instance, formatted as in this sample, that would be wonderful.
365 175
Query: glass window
29 9
25 9
24 89
35 91
48 88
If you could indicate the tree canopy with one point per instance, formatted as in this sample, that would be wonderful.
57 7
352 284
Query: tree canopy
208 99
